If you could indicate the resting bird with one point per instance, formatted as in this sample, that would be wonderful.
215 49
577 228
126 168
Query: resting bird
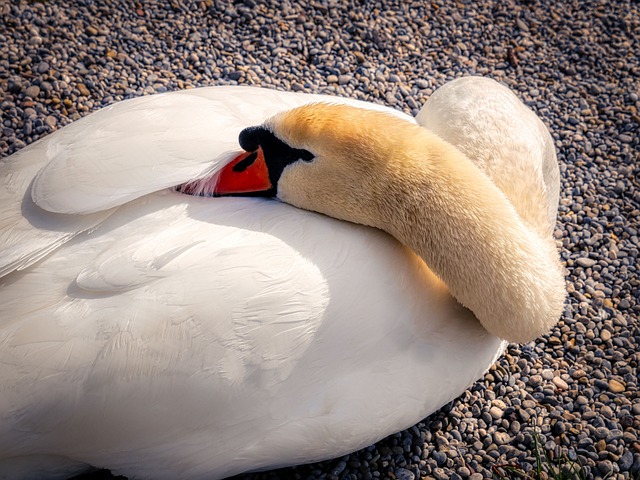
153 327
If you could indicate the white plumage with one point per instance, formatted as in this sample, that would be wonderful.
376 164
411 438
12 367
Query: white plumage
162 335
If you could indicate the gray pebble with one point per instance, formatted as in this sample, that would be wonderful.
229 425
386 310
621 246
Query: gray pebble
32 91
625 462
496 412
404 474
586 262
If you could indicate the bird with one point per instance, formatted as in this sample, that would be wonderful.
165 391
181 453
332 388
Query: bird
226 279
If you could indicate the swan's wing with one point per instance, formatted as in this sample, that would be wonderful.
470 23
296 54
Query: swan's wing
77 175
133 148
27 233
505 138
146 144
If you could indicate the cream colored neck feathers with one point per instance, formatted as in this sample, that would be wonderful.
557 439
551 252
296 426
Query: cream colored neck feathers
374 169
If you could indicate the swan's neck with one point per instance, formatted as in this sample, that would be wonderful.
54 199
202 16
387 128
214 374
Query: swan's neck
469 234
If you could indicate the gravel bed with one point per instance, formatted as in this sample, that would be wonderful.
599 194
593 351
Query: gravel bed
575 63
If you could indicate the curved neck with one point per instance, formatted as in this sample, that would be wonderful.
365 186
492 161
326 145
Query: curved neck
466 230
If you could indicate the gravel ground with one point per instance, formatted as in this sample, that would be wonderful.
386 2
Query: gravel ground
575 63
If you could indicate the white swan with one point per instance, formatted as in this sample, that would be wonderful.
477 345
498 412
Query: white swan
163 335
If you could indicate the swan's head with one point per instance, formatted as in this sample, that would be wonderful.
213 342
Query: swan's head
320 157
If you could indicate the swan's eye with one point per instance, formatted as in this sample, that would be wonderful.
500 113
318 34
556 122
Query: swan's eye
306 155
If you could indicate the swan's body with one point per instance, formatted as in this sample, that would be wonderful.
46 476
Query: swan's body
162 335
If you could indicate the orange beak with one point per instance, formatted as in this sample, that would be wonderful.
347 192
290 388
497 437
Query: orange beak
246 173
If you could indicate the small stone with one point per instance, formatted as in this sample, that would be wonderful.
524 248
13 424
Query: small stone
605 467
111 54
476 476
344 79
616 387
92 31
42 67
465 472
496 412
625 462
51 121
404 474
585 262
422 84
32 91
559 428
499 403
624 304
83 89
605 335
606 411
440 474
547 374
439 457
332 79
535 380
560 383
522 25
15 84
359 57
501 438
579 374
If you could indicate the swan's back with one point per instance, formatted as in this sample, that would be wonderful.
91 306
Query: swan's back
505 138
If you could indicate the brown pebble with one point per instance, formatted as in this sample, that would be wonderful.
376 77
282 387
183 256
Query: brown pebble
83 89
560 383
616 387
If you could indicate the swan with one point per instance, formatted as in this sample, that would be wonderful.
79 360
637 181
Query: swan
148 328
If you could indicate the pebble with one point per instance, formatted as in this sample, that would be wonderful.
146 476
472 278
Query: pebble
32 91
616 387
404 474
439 457
496 412
82 88
576 388
585 262
625 462
560 383
501 438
